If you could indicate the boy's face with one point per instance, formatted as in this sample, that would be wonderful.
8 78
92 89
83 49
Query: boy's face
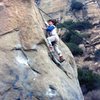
50 23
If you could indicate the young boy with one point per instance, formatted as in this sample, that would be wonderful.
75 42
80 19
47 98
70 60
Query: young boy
52 37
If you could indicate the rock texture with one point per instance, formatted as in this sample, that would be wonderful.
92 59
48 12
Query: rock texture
61 8
55 8
26 71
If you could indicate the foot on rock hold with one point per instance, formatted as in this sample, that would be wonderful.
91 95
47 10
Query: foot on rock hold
61 59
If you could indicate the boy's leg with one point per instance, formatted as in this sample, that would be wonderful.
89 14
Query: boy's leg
51 39
59 52
57 49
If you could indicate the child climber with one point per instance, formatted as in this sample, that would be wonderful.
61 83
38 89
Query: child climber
52 37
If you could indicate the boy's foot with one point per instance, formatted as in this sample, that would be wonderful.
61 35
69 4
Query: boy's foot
51 48
61 59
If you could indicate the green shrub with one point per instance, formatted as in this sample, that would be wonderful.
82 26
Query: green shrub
71 25
76 38
73 37
66 37
76 6
68 24
97 55
65 24
83 25
74 49
88 78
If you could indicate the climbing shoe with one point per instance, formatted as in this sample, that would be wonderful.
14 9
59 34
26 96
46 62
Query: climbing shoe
61 59
51 48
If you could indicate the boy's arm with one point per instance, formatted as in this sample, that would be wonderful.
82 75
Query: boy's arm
44 28
46 23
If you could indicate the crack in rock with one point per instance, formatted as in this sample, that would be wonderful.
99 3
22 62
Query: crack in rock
13 87
25 60
52 93
68 74
9 32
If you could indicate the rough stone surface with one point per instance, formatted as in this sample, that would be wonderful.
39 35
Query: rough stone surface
55 8
27 74
61 8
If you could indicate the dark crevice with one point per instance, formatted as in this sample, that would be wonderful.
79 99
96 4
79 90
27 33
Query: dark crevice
65 72
34 69
25 55
30 49
54 90
94 44
52 87
37 98
3 93
9 32
38 2
21 48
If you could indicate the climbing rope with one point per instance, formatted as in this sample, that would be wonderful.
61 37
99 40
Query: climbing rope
42 11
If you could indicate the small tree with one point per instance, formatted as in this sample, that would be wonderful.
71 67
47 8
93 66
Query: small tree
72 25
76 6
74 49
88 78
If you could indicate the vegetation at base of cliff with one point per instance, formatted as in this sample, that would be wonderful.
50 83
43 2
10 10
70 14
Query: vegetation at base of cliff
79 25
74 49
97 55
72 37
75 5
89 79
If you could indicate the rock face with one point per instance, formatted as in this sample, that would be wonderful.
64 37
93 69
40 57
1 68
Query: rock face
26 70
55 8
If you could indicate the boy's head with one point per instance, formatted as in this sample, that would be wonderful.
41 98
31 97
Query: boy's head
52 22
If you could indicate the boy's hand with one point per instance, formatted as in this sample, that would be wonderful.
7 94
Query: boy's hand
43 28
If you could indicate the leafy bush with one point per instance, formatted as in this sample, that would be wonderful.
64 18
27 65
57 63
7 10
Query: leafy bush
88 78
74 49
66 37
65 24
76 6
76 38
81 25
71 25
73 37
97 55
